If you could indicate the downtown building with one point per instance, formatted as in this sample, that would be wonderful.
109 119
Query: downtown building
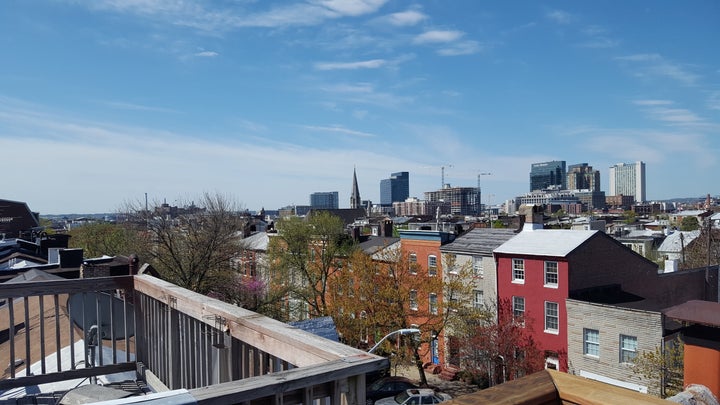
462 200
628 179
548 175
394 189
324 200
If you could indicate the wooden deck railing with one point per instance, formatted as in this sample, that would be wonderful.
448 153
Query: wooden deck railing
219 352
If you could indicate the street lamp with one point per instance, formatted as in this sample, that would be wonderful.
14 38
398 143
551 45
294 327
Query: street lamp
405 331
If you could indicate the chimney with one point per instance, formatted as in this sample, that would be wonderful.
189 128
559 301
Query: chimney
533 217
387 228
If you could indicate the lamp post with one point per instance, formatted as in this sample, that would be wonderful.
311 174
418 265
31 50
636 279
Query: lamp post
405 331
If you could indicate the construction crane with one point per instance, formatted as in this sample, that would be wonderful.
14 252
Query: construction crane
442 173
442 176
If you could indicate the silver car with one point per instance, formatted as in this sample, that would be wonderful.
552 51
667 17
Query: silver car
415 396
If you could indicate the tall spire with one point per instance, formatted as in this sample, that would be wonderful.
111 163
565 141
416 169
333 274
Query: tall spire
355 195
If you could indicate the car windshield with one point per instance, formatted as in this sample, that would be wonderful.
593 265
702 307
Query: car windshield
401 397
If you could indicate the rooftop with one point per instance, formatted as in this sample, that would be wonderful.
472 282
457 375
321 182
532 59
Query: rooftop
546 242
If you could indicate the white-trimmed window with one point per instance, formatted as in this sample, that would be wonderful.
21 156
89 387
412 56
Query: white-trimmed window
477 263
518 271
432 265
412 263
551 274
413 300
451 258
478 298
551 317
518 307
628 348
433 303
591 342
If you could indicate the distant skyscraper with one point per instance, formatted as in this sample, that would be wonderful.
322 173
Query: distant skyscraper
628 179
355 201
548 175
324 200
395 189
583 177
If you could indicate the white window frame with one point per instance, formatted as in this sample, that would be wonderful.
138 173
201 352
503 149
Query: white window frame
517 302
477 264
478 299
433 303
552 315
518 271
589 343
549 273
412 263
413 300
627 353
432 265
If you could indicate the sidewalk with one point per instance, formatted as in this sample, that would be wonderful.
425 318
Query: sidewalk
454 388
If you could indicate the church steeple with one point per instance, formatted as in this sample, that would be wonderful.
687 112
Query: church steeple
355 195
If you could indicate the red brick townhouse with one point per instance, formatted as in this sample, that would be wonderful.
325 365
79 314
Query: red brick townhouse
538 269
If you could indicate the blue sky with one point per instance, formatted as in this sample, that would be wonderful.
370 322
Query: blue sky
102 101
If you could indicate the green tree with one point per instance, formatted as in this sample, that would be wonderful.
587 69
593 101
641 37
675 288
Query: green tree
689 224
303 257
663 367
104 238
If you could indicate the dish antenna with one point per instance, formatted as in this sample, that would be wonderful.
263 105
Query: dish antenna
101 316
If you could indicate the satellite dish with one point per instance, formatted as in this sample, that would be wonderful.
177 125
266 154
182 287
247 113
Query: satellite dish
101 313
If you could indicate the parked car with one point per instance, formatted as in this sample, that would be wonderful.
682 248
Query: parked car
415 396
386 387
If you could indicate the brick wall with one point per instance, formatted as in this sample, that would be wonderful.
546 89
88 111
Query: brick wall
611 322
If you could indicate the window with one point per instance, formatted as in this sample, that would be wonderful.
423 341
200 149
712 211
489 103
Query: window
478 298
477 264
591 342
628 348
518 307
551 274
451 262
551 316
412 259
518 271
413 300
433 304
432 265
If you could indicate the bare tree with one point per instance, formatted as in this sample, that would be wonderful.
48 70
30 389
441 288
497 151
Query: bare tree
194 246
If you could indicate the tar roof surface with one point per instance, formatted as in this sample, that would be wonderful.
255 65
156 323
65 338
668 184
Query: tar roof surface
480 241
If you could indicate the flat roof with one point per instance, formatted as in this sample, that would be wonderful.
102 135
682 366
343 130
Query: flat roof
696 311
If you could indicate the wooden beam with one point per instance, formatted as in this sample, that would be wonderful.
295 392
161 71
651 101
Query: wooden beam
66 375
267 386
278 339
50 287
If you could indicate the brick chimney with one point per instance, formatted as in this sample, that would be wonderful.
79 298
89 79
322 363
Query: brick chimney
533 215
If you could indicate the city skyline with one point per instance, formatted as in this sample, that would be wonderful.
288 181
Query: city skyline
104 101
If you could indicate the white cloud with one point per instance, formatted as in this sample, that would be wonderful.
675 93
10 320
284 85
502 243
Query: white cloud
713 100
206 54
339 129
461 48
560 17
662 110
438 36
654 65
367 64
137 107
209 17
404 18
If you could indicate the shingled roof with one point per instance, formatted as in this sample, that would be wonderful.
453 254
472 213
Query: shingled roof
481 241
